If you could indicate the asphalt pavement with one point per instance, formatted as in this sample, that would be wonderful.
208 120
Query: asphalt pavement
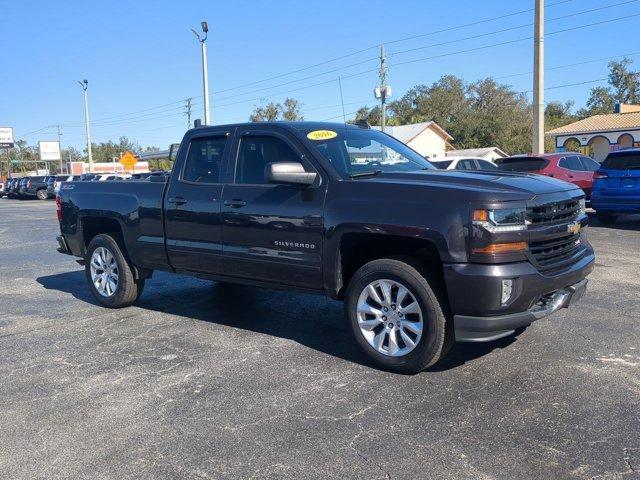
208 380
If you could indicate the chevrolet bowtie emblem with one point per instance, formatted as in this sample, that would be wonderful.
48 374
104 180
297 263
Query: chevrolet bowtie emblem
574 228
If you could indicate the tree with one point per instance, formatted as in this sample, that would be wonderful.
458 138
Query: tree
624 87
291 110
557 114
269 113
288 110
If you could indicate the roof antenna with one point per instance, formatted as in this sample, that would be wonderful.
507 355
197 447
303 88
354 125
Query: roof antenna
344 117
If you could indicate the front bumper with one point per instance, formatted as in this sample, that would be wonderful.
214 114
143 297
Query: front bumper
475 290
486 329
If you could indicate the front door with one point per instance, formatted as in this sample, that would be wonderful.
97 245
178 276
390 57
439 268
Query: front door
271 232
193 217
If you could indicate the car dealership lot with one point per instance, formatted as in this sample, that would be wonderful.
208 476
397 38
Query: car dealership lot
208 380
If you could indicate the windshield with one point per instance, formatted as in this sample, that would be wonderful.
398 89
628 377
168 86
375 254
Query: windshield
359 151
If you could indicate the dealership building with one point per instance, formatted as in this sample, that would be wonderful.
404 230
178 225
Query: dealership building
598 135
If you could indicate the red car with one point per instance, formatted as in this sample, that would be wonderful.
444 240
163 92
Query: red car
569 166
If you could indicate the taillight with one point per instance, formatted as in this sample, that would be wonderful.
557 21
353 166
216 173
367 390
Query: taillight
600 174
59 208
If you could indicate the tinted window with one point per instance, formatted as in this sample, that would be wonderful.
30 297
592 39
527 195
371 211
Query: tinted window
256 153
522 164
466 165
204 160
624 161
442 165
571 163
589 164
485 165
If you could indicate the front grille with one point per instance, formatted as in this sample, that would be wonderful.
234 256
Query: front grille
553 212
555 253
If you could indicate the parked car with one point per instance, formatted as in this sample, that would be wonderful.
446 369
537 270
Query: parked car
616 186
111 177
4 187
339 210
462 163
12 188
35 186
570 167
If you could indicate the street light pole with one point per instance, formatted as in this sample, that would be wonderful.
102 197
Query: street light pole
538 80
60 148
205 74
84 84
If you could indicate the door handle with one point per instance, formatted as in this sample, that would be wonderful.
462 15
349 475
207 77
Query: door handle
235 203
177 200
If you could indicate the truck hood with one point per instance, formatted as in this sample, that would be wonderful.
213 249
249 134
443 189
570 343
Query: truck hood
523 185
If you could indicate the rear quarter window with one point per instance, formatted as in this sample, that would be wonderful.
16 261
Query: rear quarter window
628 161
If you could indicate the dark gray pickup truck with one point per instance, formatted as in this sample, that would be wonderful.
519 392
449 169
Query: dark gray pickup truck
421 257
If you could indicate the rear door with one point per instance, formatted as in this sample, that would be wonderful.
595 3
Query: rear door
623 171
272 232
572 170
193 222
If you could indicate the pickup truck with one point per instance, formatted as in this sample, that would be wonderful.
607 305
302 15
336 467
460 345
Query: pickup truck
421 257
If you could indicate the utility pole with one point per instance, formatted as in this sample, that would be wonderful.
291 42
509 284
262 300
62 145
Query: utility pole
383 91
60 148
538 80
84 84
205 75
188 111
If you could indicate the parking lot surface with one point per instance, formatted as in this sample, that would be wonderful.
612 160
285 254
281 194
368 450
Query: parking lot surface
208 380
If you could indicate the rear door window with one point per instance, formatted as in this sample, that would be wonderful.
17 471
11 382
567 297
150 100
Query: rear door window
466 165
571 163
486 165
204 160
626 161
523 164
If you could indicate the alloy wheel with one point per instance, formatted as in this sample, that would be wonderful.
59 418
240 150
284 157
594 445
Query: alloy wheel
104 272
389 317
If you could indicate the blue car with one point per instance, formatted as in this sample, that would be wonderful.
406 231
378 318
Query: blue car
616 185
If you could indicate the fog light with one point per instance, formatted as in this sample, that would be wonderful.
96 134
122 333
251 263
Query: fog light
507 291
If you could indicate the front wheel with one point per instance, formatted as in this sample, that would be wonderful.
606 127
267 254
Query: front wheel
110 275
397 317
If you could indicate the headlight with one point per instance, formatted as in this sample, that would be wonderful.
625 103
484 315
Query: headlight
583 206
501 220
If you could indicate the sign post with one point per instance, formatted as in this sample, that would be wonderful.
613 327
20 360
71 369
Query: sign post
6 141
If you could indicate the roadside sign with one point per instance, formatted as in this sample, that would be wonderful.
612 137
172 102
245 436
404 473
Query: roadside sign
128 160
6 137
49 150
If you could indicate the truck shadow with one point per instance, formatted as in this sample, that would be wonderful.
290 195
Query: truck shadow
310 320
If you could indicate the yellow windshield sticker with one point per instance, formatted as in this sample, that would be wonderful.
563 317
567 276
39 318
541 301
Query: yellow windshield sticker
321 135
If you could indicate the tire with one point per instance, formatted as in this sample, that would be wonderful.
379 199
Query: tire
127 289
42 194
436 337
606 218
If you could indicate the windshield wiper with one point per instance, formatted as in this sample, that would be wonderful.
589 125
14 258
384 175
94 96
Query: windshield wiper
365 174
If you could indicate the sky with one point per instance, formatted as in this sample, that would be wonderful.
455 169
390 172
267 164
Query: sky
142 60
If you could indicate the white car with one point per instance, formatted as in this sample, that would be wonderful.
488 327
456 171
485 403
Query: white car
111 176
462 163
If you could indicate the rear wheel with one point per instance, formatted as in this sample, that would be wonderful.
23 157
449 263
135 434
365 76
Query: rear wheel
42 194
110 275
606 218
396 316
